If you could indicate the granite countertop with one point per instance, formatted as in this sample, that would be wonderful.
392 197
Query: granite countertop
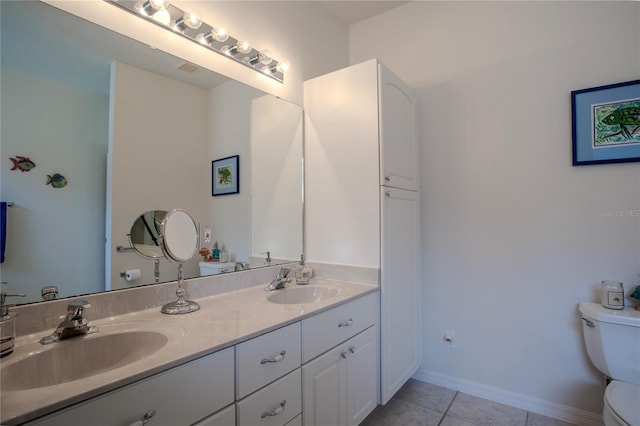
223 321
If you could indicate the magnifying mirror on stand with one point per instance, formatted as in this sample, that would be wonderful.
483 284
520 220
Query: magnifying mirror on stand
174 235
179 242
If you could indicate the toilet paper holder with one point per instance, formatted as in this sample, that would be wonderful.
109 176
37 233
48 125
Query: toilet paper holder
131 274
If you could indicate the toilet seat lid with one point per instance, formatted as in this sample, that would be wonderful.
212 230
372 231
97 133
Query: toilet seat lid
623 399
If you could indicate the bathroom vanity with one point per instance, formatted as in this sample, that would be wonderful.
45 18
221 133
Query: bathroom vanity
246 358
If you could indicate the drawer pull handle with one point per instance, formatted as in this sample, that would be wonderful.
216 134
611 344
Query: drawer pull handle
352 349
145 419
276 358
346 323
344 354
275 412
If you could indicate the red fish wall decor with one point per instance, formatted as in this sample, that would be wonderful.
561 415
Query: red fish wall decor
24 164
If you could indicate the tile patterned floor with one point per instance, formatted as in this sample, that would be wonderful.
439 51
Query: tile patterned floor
422 404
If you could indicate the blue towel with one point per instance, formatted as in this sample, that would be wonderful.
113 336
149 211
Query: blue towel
3 229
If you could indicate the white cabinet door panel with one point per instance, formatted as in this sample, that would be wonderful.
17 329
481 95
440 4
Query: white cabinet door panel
399 290
398 132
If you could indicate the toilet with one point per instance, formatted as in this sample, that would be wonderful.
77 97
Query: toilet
612 340
214 268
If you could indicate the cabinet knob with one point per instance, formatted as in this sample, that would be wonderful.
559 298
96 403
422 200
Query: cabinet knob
387 178
275 412
346 323
387 194
276 358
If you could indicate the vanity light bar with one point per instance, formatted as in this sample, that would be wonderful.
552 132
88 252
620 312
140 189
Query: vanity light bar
191 26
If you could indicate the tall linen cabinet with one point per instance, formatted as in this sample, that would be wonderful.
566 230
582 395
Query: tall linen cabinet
362 199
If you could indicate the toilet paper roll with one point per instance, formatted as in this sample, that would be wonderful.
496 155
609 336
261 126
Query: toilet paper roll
132 274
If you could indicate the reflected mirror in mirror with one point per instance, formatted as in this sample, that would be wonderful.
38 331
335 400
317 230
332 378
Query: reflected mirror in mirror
132 129
145 235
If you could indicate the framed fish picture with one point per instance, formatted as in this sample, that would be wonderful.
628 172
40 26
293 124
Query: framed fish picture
225 176
606 124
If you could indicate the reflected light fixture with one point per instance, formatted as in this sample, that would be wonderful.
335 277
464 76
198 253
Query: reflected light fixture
190 25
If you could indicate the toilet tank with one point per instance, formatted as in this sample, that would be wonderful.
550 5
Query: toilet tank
612 339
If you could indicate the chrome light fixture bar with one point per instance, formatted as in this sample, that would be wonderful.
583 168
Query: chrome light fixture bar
191 26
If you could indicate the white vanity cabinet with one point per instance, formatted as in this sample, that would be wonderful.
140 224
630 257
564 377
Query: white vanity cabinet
340 381
361 166
180 396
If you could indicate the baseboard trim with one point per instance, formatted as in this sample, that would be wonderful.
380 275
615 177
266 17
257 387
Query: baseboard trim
545 408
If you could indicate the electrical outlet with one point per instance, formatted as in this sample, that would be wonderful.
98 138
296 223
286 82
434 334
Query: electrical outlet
207 235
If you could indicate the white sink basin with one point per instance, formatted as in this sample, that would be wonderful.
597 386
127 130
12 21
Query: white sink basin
301 295
80 357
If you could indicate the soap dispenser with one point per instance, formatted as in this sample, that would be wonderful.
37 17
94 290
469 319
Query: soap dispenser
7 325
303 273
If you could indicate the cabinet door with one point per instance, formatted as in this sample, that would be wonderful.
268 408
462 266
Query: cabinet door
362 377
324 386
398 141
399 290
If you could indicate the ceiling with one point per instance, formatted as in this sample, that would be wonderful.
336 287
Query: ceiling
351 12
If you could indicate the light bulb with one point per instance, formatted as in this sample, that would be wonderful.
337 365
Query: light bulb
282 67
220 34
265 57
188 20
150 7
243 47
162 16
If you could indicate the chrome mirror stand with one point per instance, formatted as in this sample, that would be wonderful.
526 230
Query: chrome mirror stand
180 306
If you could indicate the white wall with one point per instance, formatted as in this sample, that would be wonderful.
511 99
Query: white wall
276 178
513 235
52 233
228 129
153 153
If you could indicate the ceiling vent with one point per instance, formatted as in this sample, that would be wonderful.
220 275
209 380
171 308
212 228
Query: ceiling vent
188 67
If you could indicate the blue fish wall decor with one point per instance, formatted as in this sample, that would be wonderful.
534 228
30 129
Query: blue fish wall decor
57 180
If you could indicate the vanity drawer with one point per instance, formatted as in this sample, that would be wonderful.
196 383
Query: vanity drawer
323 331
179 396
274 405
266 358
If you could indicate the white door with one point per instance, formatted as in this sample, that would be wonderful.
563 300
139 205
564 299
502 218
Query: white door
324 385
362 381
398 142
399 290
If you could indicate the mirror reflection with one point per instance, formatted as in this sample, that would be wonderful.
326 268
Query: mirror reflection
145 235
132 130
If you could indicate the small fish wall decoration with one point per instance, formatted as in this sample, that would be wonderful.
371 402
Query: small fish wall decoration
57 180
24 164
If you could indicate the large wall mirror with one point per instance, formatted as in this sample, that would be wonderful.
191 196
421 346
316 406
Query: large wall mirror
132 129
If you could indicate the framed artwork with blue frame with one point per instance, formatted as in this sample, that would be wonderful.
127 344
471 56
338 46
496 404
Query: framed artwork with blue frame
225 176
606 124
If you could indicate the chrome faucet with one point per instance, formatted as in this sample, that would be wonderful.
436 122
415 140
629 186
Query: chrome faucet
73 325
280 280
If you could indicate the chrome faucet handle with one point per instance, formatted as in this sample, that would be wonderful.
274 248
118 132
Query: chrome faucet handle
73 325
76 308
